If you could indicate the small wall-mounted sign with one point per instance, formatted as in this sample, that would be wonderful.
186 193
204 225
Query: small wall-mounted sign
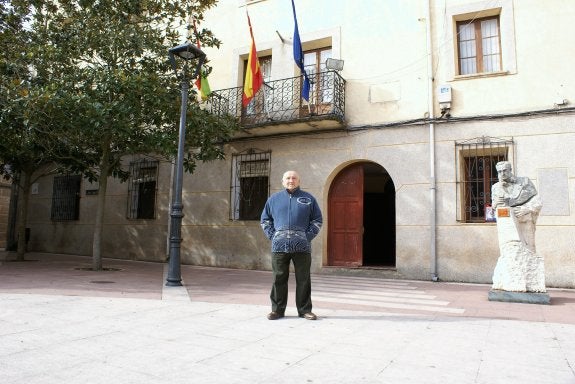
91 192
503 212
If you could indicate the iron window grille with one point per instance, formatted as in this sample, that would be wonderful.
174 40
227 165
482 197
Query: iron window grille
142 189
66 198
476 173
250 184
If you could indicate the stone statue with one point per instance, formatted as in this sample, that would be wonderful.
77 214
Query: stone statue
517 205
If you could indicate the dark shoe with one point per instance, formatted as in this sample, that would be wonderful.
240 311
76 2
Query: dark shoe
308 316
275 315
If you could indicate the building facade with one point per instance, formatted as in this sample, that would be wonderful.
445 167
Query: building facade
411 105
5 193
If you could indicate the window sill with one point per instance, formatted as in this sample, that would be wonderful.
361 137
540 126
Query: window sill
477 222
481 75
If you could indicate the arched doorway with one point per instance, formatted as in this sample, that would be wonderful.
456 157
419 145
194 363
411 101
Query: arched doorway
361 227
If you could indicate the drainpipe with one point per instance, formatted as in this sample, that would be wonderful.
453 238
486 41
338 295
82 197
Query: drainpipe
432 183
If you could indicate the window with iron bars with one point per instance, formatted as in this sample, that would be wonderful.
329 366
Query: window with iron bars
250 184
66 198
476 173
142 187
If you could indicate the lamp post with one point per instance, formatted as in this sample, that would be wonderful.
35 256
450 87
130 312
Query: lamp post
187 52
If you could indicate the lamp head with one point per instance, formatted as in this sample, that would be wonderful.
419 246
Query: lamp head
187 51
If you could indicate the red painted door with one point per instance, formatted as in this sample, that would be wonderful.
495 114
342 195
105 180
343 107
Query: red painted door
345 226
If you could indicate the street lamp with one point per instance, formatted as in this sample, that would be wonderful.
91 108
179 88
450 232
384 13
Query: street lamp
187 52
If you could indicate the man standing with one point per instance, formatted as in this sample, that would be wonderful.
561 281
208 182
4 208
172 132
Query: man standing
291 219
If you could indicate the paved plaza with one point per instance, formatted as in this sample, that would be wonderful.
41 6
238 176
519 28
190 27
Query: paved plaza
63 323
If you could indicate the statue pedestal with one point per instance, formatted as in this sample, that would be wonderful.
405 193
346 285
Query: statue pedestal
519 297
518 269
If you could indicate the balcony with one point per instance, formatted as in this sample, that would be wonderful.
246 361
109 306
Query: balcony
279 109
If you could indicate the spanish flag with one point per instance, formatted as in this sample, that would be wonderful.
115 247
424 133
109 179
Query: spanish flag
254 78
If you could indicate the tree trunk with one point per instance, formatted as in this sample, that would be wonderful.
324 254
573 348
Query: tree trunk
99 224
22 216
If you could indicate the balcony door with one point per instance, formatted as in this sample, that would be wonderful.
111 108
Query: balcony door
258 108
321 89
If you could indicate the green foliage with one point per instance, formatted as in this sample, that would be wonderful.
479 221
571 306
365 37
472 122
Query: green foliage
13 79
84 83
99 85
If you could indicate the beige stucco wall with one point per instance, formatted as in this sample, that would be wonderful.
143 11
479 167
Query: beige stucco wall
122 238
5 191
376 90
384 48
465 252
535 74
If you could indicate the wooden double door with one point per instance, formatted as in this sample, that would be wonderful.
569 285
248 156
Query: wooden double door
361 217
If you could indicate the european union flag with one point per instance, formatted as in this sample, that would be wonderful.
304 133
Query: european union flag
298 57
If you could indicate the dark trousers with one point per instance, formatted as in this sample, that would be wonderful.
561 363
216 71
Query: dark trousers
279 293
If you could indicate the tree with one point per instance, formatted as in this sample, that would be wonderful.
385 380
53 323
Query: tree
112 90
23 158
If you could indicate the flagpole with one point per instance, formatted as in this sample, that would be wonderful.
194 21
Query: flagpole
298 57
199 79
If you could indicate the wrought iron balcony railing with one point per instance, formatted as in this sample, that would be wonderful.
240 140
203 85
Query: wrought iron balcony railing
280 101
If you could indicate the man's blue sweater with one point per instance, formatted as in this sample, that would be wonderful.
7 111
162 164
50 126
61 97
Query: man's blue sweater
291 221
